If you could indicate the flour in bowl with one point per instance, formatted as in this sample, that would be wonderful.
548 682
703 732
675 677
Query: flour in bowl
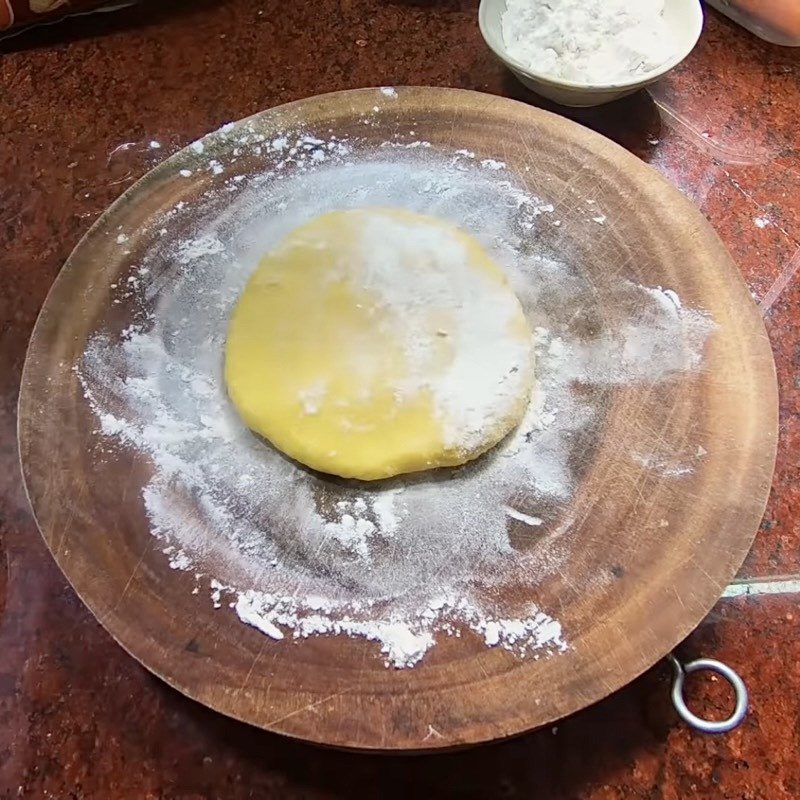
588 41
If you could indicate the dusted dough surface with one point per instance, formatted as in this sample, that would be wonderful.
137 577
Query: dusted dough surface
376 342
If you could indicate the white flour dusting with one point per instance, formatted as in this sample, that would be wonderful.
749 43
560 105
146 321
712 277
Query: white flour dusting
412 267
588 41
191 249
296 554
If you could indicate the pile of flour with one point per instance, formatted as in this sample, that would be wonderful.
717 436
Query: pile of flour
588 41
401 562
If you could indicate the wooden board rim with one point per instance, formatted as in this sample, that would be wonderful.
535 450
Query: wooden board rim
592 141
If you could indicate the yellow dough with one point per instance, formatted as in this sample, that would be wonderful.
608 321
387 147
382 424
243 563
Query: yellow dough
376 342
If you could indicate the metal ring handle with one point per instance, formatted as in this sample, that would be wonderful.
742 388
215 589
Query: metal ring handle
730 675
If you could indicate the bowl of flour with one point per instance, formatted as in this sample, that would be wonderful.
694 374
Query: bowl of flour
589 52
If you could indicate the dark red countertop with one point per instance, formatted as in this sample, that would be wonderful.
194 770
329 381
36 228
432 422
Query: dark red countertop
80 105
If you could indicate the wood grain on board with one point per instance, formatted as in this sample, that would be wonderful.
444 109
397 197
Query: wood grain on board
665 548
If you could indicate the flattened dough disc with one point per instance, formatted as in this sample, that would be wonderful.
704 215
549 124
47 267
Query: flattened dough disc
376 342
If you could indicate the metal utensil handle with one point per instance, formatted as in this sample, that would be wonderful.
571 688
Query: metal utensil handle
730 675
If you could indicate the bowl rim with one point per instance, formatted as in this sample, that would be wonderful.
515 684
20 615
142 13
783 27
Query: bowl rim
498 48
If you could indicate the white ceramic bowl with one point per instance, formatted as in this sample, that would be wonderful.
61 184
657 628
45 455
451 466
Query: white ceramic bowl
683 17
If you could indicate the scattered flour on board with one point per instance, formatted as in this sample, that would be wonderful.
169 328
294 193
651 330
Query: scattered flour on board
588 41
412 559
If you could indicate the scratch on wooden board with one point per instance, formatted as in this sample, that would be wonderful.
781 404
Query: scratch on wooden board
305 708
127 481
65 531
481 668
127 583
492 101
711 579
504 147
452 136
252 667
530 159
432 734
641 499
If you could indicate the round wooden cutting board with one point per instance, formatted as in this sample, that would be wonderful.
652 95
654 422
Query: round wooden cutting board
650 553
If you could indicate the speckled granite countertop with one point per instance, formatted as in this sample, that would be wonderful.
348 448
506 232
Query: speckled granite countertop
80 104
